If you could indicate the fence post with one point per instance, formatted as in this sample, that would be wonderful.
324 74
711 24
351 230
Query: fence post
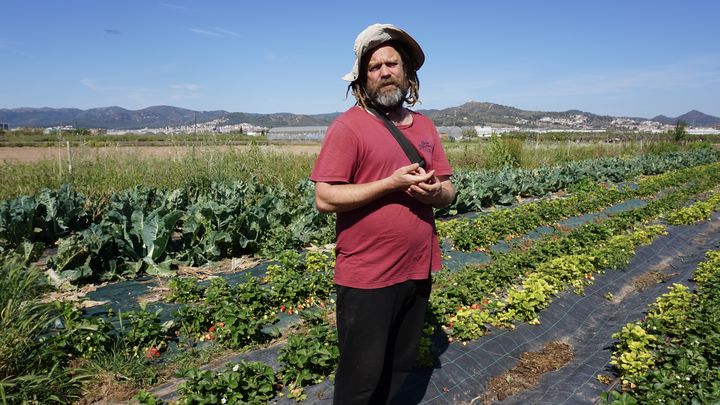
69 153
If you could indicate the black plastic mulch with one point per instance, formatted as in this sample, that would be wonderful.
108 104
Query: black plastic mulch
586 322
463 372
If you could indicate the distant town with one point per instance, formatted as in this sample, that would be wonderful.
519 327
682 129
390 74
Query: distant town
577 123
472 119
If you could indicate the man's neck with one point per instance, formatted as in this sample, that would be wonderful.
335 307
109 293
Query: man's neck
399 115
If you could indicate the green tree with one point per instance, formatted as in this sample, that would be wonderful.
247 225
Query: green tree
679 133
469 132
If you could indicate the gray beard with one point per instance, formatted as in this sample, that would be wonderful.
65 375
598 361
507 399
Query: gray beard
389 100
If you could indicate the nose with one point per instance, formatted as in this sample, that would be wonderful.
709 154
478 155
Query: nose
384 71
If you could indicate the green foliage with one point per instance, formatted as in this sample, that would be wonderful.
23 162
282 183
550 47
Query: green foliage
236 316
673 356
240 383
310 355
42 218
80 336
502 152
484 188
30 370
183 290
145 335
707 269
295 283
427 355
130 370
145 398
679 133
635 357
700 211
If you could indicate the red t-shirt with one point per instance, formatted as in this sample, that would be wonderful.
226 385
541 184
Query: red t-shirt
391 239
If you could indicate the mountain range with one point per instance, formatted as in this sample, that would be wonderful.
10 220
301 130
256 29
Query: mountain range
471 113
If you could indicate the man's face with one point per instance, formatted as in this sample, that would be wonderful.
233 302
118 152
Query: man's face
386 84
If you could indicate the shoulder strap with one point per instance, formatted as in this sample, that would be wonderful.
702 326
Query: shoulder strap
405 144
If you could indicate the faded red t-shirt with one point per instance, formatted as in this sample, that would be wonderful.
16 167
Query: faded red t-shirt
391 239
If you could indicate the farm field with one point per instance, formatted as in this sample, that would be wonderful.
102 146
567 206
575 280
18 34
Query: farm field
213 284
34 154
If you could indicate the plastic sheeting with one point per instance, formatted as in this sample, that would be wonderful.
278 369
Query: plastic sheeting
586 322
463 372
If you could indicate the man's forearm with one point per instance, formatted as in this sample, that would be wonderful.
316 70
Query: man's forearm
346 197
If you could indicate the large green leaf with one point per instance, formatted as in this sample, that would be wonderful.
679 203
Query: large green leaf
157 231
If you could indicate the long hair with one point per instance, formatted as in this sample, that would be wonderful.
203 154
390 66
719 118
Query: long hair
358 86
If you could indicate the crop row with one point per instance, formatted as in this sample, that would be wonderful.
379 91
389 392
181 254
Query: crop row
672 356
479 292
485 230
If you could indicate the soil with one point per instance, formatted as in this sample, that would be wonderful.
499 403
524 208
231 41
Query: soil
527 373
109 389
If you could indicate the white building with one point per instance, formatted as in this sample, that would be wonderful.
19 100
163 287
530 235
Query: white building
297 133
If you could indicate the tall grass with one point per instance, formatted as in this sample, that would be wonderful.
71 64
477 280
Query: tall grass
29 371
98 172
496 152
98 175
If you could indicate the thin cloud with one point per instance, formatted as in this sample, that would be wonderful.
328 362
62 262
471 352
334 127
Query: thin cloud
175 7
93 84
226 32
112 32
215 32
190 87
206 32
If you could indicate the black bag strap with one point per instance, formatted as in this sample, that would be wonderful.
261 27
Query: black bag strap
405 144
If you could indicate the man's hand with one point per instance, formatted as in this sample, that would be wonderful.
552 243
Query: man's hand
345 197
433 191
410 175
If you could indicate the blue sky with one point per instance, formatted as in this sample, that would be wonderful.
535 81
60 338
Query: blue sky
632 58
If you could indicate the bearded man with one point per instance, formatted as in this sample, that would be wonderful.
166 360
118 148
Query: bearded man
386 241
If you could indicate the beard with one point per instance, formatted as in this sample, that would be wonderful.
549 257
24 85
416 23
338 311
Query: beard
389 98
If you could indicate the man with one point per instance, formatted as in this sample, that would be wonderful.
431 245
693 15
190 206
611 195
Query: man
386 241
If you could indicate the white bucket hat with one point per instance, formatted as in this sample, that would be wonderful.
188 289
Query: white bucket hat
378 34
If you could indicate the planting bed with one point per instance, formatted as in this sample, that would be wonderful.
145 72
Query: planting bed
585 322
462 373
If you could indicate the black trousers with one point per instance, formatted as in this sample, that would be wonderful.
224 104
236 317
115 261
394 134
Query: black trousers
379 333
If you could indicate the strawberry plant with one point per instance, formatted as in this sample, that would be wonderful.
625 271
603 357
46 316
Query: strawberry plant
635 356
700 211
679 339
194 321
183 290
239 383
309 356
145 333
81 336
295 283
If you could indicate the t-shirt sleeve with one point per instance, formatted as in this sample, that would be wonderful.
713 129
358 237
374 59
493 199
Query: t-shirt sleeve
338 155
439 159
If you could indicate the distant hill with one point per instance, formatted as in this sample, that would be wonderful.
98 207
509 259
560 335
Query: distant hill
477 113
279 119
106 117
471 113
692 118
